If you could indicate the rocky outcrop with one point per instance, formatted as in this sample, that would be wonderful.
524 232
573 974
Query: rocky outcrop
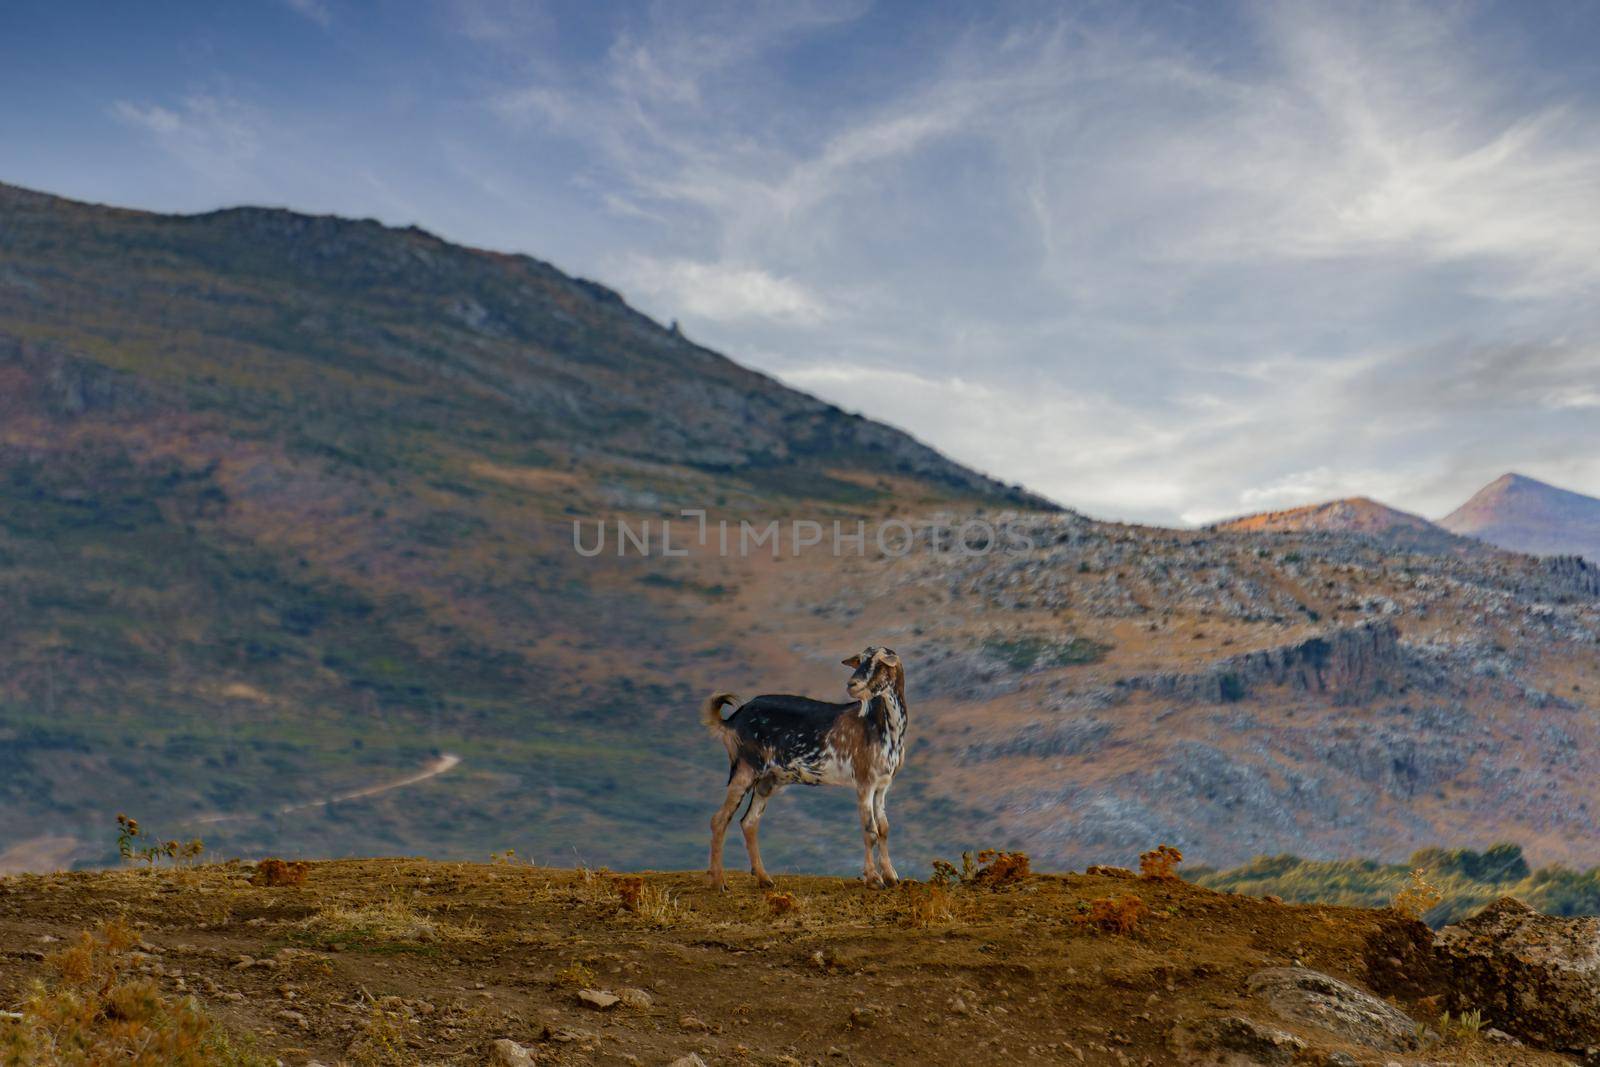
1353 662
1536 976
1310 998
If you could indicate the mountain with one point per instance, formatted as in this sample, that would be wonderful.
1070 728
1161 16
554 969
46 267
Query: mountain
1358 515
287 561
286 512
1527 515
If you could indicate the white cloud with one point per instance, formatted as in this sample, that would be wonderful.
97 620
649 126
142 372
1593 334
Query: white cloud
721 292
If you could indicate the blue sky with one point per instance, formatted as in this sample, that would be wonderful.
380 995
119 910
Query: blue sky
1163 262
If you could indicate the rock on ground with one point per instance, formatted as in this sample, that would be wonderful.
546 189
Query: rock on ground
1311 998
1235 1041
1536 976
507 1053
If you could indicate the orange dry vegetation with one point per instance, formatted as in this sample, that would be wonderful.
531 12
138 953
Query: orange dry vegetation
272 872
996 868
1116 914
1160 863
782 903
630 888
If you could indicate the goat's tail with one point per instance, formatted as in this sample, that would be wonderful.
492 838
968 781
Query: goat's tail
711 713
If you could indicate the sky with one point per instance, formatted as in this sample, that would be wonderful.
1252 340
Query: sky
1160 262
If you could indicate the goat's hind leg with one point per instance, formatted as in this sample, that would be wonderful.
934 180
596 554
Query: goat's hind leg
740 778
751 825
869 836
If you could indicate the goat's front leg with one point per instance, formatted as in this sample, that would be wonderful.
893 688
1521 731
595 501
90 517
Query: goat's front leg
738 785
880 797
869 835
751 825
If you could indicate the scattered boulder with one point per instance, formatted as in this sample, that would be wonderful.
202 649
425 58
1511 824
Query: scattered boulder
507 1053
688 1060
1535 976
1235 1041
1311 998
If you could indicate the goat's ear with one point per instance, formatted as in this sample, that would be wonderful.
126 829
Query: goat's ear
889 658
853 662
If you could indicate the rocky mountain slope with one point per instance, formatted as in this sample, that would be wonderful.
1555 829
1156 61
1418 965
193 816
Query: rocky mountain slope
1526 515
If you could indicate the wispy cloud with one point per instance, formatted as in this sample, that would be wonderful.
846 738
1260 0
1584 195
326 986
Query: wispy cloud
315 10
212 134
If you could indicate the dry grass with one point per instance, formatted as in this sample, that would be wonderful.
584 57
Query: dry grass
95 1013
393 921
929 905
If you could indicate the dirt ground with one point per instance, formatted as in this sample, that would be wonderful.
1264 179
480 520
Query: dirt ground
401 961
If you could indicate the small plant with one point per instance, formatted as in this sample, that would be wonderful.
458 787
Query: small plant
508 858
1160 863
275 872
1118 915
1462 1029
630 888
577 974
780 904
134 844
94 1012
992 869
996 868
1417 897
928 905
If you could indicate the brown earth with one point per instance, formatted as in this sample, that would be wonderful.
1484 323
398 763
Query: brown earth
404 961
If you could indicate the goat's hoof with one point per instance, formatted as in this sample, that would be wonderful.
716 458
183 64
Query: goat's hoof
765 883
715 881
891 879
873 881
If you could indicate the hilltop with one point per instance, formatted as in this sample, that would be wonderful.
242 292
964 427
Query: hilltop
404 961
1355 515
1527 515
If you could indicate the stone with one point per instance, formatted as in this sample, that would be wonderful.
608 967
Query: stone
1311 998
1535 976
688 1060
636 999
1235 1041
507 1053
598 999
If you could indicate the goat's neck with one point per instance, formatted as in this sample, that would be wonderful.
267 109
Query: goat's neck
894 710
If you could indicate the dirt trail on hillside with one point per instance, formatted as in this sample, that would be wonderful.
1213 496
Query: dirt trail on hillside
441 765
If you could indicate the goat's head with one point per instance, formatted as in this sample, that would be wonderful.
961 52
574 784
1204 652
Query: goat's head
876 669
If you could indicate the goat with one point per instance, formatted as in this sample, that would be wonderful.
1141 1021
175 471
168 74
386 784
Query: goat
774 741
